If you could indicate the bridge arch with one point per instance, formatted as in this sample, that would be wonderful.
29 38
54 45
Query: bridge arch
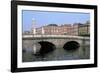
46 47
71 46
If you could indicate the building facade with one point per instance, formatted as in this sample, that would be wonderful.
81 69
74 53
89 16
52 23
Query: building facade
84 30
76 29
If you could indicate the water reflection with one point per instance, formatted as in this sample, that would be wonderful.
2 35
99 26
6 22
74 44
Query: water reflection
58 54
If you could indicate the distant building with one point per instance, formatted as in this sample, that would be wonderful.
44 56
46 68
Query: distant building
65 29
75 30
39 30
53 29
84 30
26 32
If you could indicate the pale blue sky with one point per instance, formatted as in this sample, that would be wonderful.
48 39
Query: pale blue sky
44 17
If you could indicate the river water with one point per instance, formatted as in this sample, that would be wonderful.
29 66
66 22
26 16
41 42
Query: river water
83 52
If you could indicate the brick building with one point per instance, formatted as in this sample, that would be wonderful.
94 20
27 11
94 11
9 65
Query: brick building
53 29
65 29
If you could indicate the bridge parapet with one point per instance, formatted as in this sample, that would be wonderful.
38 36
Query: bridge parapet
53 36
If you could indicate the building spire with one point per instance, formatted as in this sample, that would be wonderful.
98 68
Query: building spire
33 26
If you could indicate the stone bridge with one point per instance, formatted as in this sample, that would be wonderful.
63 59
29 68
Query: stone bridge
59 41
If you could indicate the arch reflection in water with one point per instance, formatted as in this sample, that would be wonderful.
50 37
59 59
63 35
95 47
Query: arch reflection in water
46 47
71 46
